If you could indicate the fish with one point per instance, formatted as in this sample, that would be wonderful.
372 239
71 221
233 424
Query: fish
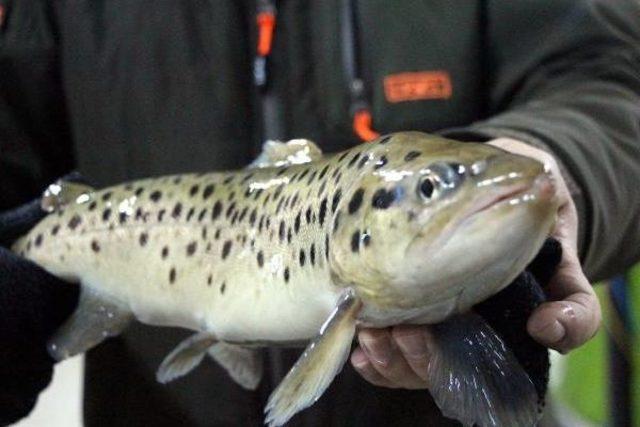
303 248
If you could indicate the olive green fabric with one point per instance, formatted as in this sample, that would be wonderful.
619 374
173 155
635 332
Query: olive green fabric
130 88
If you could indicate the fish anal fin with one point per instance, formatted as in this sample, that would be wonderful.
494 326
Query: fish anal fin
62 193
293 152
476 379
185 357
94 320
321 361
244 365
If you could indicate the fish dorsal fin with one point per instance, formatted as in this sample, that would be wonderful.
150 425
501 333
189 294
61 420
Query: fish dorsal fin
185 357
476 379
293 152
62 193
321 361
244 365
96 318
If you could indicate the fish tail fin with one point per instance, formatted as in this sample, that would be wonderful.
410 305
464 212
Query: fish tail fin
94 320
476 379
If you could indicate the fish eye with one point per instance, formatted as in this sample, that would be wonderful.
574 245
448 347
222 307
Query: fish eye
427 187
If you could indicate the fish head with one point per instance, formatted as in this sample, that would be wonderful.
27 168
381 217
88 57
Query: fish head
440 221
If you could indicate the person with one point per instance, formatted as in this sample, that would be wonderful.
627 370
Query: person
127 89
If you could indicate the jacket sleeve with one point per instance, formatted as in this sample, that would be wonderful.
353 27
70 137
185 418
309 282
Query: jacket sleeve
35 146
564 75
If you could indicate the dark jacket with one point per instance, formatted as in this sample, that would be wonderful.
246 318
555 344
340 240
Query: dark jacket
123 89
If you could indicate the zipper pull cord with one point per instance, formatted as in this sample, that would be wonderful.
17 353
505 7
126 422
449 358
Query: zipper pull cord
266 22
359 109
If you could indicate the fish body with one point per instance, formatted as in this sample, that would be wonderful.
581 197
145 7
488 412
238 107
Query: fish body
409 229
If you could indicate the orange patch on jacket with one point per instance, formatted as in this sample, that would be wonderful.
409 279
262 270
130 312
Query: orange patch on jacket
417 86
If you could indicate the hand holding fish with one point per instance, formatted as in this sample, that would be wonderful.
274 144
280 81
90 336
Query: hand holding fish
397 357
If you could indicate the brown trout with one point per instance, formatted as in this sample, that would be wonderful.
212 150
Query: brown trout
410 229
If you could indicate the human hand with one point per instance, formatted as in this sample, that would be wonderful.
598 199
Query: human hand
573 315
33 304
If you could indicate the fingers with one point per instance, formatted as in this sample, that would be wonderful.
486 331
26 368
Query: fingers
395 358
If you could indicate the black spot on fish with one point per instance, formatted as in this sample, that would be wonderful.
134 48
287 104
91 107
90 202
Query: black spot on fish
366 238
217 210
209 280
312 254
228 179
139 214
268 223
139 191
190 213
384 139
281 231
356 201
165 252
128 187
106 196
303 174
38 240
266 200
95 246
296 223
289 235
286 274
226 248
204 233
123 217
322 213
336 199
354 159
223 287
217 235
343 155
261 224
302 257
247 177
363 161
177 210
74 222
253 216
247 193
411 155
208 191
177 180
281 171
381 162
279 207
312 177
55 229
336 222
234 218
230 209
383 198
172 275
323 172
260 258
191 248
161 213
144 237
326 246
232 195
355 241
155 196
322 188
243 214
194 190
92 205
258 193
278 191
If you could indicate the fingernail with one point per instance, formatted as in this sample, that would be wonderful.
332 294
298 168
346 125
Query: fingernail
551 332
414 346
381 356
359 359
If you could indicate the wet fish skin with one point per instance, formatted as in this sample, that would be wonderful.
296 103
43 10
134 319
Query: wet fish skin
264 254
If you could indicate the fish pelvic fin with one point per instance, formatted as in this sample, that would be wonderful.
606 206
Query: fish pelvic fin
64 192
95 319
185 357
476 379
293 152
321 361
244 365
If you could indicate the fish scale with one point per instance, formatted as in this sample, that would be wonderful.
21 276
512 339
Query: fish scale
411 229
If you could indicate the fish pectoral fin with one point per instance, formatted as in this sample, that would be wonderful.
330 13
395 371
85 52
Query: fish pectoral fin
185 357
476 379
94 320
321 361
293 152
62 193
244 365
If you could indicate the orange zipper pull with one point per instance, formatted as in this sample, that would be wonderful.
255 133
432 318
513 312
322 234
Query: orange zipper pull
266 26
362 126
